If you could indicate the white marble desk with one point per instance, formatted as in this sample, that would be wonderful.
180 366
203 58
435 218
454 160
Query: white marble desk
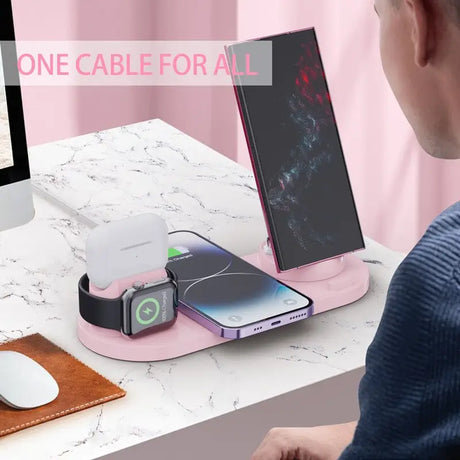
153 167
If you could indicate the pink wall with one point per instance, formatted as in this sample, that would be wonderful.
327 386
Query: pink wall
398 188
54 113
50 112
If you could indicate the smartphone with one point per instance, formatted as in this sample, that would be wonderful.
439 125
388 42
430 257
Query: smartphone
296 153
226 294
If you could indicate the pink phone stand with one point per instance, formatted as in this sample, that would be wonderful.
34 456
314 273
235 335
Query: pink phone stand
330 284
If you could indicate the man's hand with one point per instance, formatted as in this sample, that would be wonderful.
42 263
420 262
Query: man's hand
317 443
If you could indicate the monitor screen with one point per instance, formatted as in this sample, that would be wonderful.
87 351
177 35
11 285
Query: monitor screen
297 155
6 150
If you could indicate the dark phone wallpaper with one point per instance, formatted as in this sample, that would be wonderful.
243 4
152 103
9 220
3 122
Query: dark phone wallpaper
299 156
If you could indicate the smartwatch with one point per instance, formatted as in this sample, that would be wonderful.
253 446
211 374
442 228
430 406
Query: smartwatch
141 308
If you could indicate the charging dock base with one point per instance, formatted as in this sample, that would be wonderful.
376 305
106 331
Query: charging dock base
331 284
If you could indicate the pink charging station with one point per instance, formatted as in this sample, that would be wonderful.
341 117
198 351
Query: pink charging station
331 284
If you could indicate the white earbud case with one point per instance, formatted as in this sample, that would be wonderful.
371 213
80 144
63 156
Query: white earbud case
126 247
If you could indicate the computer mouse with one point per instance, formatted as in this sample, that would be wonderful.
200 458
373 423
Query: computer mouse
24 384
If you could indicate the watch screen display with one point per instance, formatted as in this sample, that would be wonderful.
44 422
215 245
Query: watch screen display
297 155
152 307
6 151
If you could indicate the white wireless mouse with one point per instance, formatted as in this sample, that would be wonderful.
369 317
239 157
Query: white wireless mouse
24 384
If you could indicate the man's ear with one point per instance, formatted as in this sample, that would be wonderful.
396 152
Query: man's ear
422 29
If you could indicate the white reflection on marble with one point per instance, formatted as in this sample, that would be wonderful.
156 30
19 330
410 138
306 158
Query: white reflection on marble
152 167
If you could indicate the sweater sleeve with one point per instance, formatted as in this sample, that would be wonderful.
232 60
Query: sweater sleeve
410 394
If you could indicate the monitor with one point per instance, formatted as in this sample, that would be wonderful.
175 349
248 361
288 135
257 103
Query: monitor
16 205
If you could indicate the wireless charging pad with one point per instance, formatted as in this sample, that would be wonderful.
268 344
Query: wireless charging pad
331 284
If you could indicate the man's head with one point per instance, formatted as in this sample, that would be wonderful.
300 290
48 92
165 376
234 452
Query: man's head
420 47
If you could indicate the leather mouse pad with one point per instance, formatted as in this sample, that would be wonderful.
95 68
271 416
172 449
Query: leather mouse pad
79 386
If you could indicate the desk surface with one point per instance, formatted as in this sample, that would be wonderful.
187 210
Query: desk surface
153 167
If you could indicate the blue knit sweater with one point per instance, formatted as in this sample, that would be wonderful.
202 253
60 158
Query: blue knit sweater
410 395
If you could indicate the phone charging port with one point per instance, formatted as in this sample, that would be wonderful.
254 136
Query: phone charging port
276 323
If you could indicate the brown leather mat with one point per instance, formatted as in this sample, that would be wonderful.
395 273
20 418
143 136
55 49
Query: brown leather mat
79 386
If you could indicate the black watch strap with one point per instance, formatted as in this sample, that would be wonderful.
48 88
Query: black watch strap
99 311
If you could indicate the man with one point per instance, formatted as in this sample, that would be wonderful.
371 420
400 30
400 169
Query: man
410 394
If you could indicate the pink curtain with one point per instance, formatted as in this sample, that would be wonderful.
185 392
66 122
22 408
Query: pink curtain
206 113
399 189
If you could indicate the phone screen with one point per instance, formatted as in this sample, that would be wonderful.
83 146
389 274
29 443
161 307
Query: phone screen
225 288
297 155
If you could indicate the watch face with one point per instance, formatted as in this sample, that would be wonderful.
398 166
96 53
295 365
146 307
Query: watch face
152 307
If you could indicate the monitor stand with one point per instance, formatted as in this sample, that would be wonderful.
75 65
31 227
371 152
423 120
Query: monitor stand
331 284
